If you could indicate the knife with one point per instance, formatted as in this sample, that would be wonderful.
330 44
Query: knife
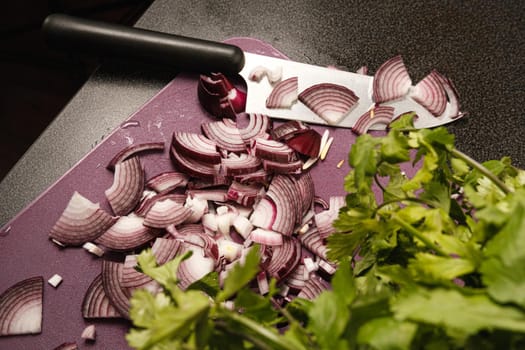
203 56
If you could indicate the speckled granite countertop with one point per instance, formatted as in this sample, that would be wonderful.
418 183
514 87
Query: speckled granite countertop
479 44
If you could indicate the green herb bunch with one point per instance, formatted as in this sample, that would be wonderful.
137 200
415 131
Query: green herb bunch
431 261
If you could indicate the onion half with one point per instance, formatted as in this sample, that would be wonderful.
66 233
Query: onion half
331 102
21 307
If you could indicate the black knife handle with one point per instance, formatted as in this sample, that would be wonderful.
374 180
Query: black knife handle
104 39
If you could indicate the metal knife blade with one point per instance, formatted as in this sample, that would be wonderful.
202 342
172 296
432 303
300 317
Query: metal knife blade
191 54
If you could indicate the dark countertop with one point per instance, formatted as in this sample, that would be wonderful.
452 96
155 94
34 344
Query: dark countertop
478 44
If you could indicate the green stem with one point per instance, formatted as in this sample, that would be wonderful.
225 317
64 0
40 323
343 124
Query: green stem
414 232
263 333
476 165
405 199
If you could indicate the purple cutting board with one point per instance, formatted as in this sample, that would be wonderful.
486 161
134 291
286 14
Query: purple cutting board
25 250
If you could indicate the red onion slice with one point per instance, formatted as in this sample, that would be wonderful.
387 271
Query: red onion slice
259 176
324 220
211 194
82 221
296 280
128 185
128 233
307 143
165 249
331 102
167 181
246 195
284 258
258 127
96 303
375 115
131 278
193 167
313 287
294 167
272 150
133 150
196 146
266 237
116 293
219 97
429 93
166 212
21 307
306 190
313 241
195 267
391 81
245 164
453 97
284 94
225 134
289 129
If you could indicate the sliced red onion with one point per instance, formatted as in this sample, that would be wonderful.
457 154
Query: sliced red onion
242 226
116 293
244 164
133 150
266 237
165 249
272 150
326 269
226 134
198 208
167 181
219 97
284 258
331 102
324 220
262 283
313 241
194 235
289 129
391 81
81 221
128 233
375 115
96 303
128 185
305 187
307 143
284 94
429 93
89 333
245 195
313 287
209 222
258 127
194 268
211 194
285 187
228 249
196 146
264 214
259 176
148 202
294 167
296 279
21 307
131 278
166 212
193 167
453 97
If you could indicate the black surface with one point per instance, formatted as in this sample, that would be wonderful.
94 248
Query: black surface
478 44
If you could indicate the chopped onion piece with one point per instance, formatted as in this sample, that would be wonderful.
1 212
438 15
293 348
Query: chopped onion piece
93 249
81 221
196 146
313 287
242 225
21 307
331 102
225 134
284 94
259 72
375 115
89 333
228 249
193 167
96 303
258 126
132 150
266 237
307 143
166 212
128 185
391 81
430 93
219 97
55 280
272 150
116 293
128 233
167 181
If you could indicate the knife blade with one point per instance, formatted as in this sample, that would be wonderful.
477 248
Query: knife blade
203 56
